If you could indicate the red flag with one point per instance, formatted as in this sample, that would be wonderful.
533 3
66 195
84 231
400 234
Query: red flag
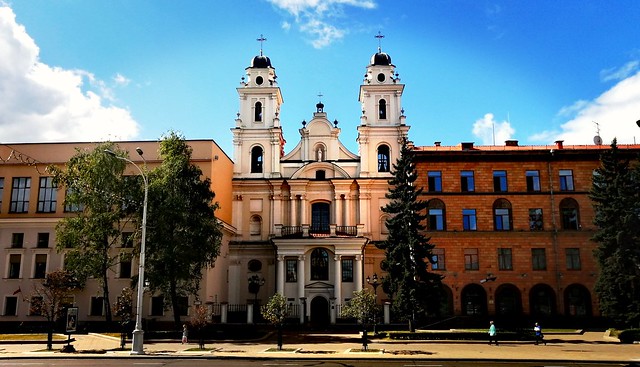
17 291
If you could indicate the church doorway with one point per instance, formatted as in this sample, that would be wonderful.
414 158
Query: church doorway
319 312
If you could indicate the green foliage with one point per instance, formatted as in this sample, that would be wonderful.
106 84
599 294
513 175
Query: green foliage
616 198
106 203
183 234
47 298
362 307
275 311
123 307
415 290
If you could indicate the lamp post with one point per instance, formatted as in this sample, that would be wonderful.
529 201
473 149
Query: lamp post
137 345
375 284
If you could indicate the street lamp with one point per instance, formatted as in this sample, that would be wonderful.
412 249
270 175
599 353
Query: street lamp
255 282
374 283
137 346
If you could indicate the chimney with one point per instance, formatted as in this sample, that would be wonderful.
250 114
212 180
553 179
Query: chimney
559 144
467 146
511 143
436 143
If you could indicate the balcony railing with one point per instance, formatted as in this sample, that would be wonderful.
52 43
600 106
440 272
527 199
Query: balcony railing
306 230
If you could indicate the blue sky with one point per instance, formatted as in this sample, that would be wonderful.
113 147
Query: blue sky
534 71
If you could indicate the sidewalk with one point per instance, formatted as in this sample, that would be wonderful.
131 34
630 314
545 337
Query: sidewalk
589 346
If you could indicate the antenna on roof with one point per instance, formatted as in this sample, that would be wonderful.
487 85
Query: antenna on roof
597 140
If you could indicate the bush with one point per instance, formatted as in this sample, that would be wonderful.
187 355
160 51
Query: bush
629 336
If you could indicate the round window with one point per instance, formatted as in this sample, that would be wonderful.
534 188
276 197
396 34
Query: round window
259 80
381 77
255 265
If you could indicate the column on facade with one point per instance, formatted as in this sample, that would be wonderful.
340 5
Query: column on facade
277 214
303 210
339 220
338 279
294 209
358 272
364 212
301 281
280 275
349 218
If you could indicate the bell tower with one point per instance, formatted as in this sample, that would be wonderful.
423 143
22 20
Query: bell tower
382 123
257 138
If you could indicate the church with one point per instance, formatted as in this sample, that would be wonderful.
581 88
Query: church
511 224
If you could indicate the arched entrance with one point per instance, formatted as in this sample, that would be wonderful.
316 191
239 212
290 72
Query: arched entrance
508 300
542 300
577 301
319 311
474 300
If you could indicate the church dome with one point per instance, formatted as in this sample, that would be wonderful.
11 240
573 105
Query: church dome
380 58
261 62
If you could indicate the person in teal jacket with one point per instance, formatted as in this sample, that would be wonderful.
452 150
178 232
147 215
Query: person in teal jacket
493 334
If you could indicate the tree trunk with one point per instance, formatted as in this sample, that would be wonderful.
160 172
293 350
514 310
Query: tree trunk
174 304
50 336
105 299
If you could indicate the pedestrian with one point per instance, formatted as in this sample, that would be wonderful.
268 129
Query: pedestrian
537 329
185 334
493 334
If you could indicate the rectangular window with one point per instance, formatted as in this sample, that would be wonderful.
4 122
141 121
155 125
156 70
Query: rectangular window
11 306
70 207
15 261
535 219
438 259
573 259
183 306
40 266
500 181
471 260
35 306
347 270
292 270
502 219
566 180
20 195
47 196
17 240
157 306
127 240
538 259
436 220
97 306
467 183
533 181
569 217
504 259
125 266
43 240
434 181
469 219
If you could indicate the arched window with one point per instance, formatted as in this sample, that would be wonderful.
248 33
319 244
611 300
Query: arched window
319 264
436 215
258 112
256 160
569 212
383 158
502 215
255 225
382 109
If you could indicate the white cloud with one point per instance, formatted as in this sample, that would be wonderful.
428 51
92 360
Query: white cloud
616 112
316 17
46 103
620 73
489 130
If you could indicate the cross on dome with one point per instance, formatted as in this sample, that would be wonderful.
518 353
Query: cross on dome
379 36
261 40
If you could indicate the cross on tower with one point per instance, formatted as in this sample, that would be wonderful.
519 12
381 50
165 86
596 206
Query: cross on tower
379 36
320 95
261 40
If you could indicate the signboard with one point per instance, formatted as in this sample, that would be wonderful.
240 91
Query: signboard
72 319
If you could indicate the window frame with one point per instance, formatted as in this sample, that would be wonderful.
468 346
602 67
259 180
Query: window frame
505 258
500 181
533 180
434 181
20 194
467 218
467 181
572 258
346 270
538 259
566 180
471 259
439 255
47 195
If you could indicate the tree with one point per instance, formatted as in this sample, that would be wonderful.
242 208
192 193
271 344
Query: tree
102 200
363 308
124 310
199 321
275 312
183 233
415 291
616 198
47 298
